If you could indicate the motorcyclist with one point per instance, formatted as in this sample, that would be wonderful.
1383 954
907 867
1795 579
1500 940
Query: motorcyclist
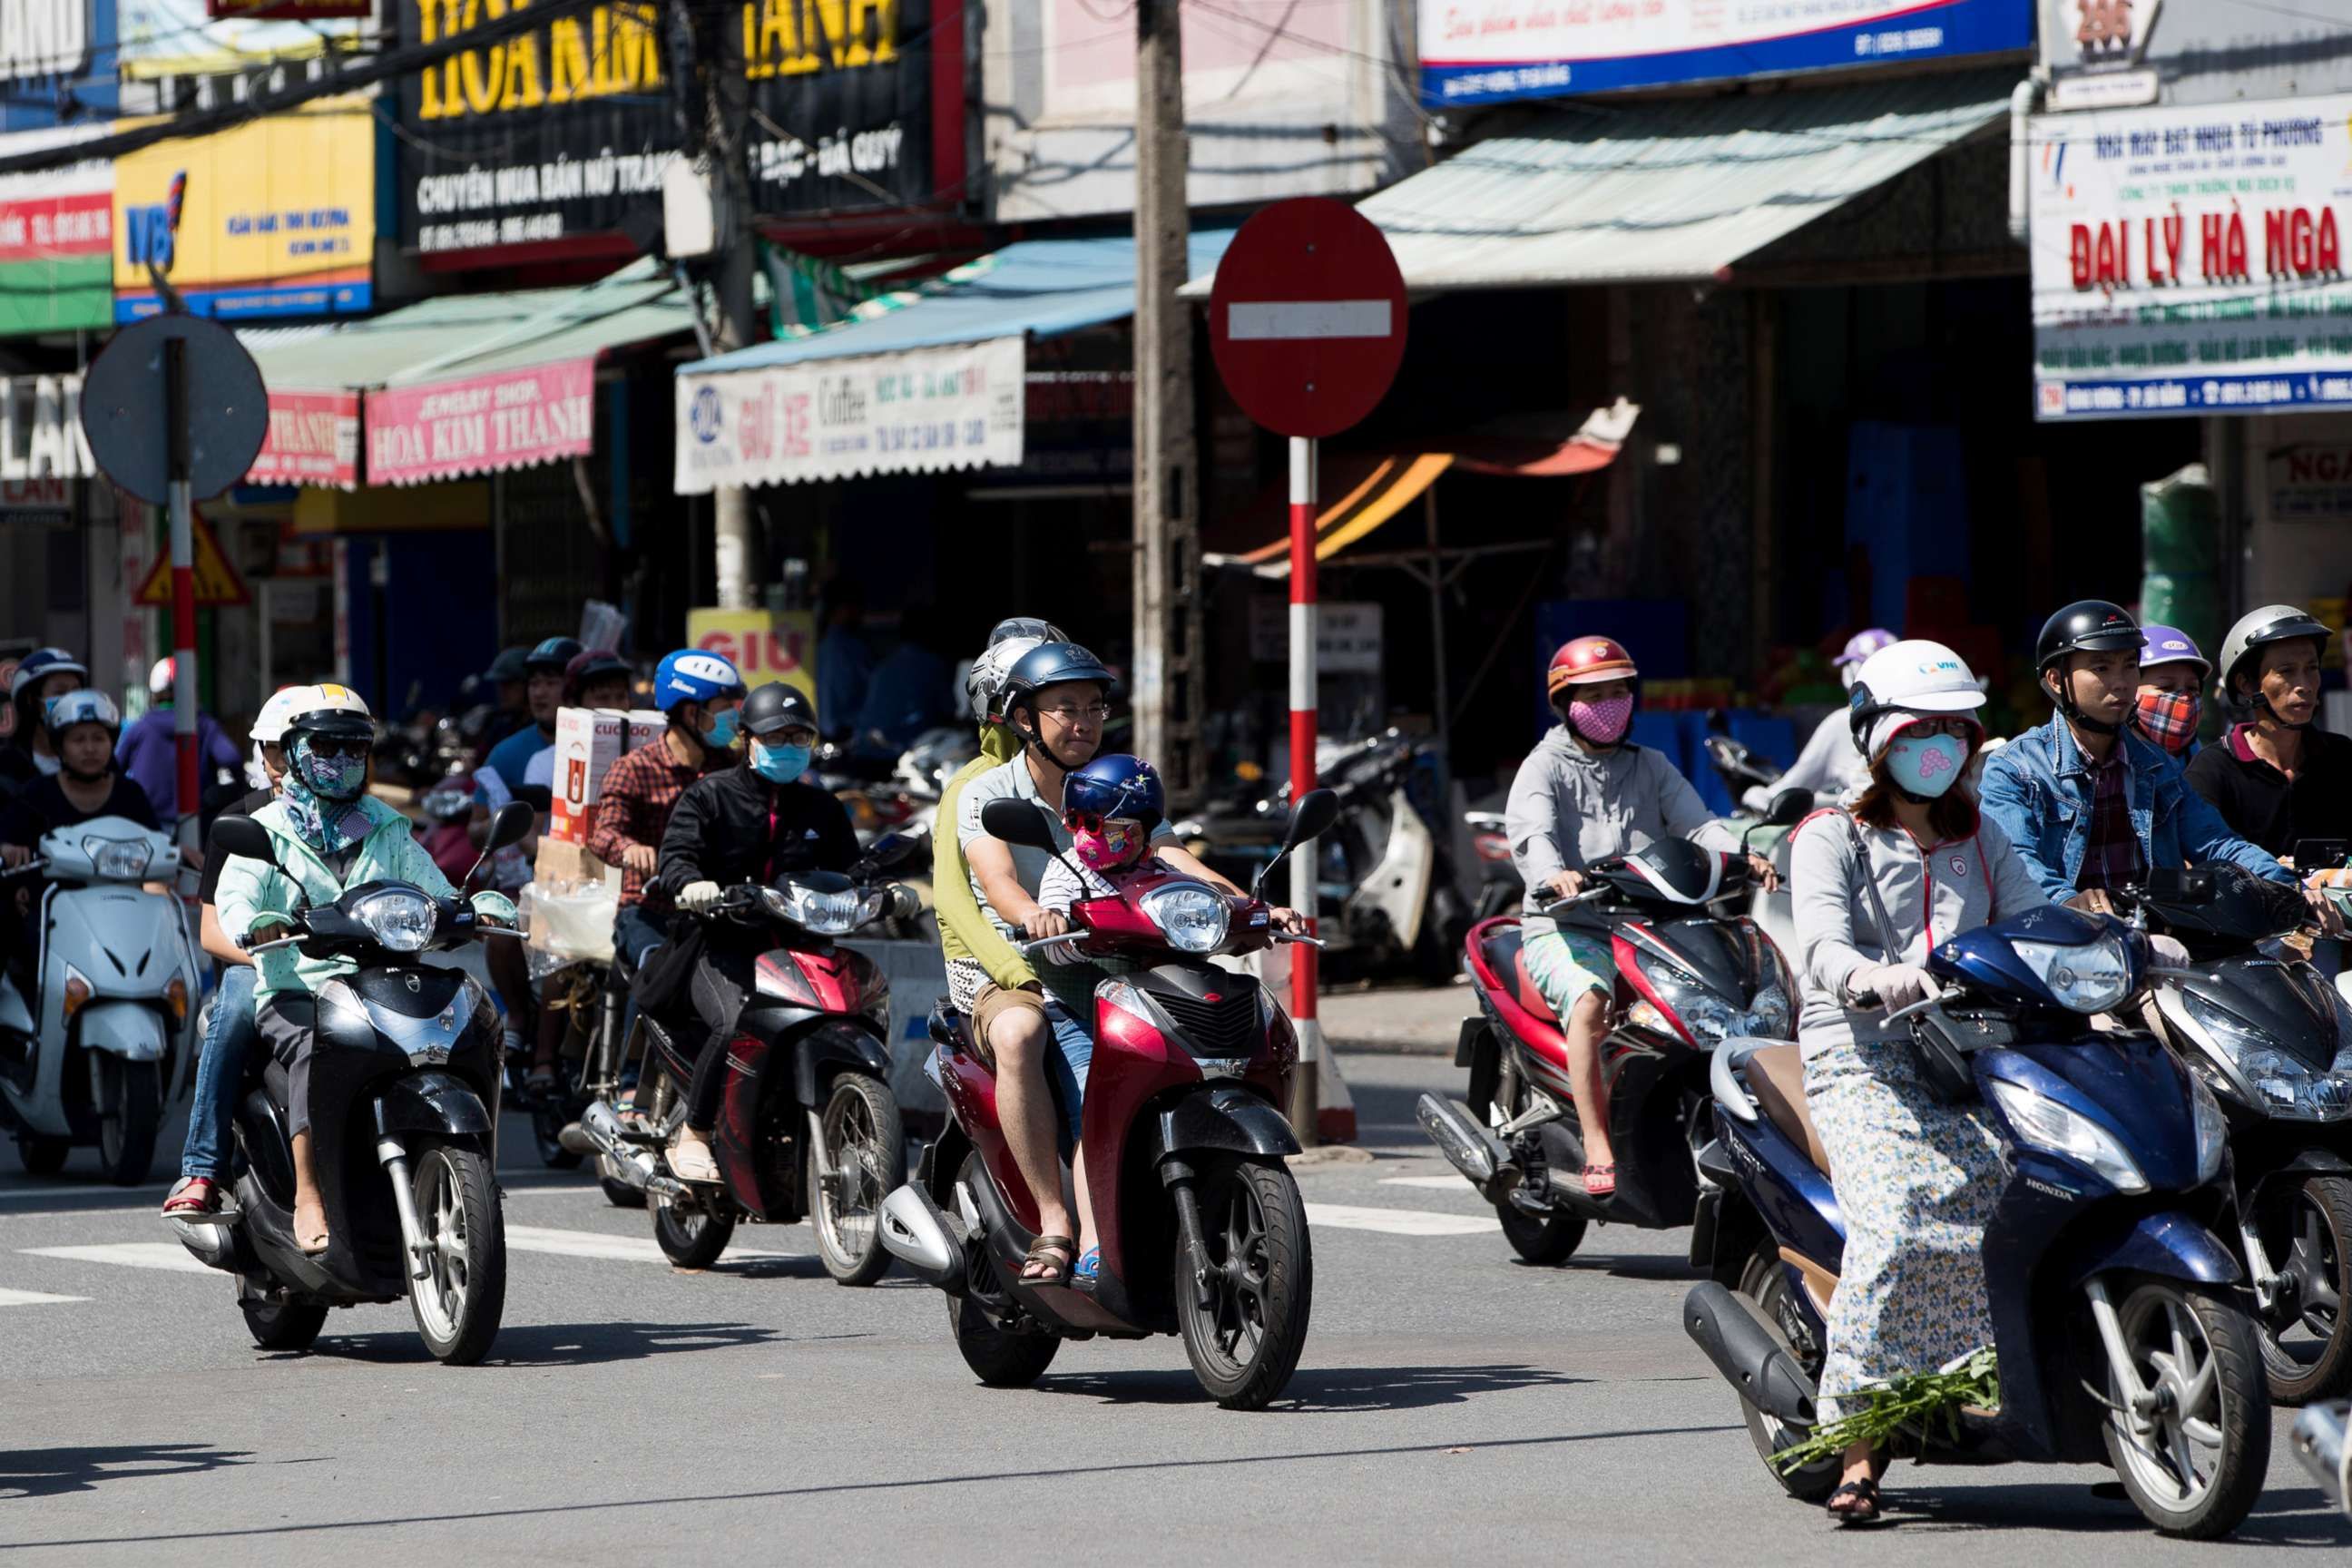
149 749
509 696
229 1030
81 728
44 674
329 836
2086 802
749 823
1585 794
1828 765
2171 701
2278 778
508 767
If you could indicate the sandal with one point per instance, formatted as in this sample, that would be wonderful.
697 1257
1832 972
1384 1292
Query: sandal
1051 1252
1088 1272
191 1196
1600 1182
542 1079
1865 1511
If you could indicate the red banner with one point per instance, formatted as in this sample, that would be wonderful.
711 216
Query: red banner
43 228
314 439
484 423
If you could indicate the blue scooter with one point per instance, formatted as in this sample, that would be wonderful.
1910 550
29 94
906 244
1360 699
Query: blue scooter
2120 1322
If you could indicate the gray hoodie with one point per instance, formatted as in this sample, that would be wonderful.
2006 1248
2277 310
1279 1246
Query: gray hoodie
1570 807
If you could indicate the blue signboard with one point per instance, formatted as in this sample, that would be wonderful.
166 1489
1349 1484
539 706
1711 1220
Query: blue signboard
1489 51
57 63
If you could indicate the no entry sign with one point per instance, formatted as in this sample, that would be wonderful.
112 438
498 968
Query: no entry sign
1308 317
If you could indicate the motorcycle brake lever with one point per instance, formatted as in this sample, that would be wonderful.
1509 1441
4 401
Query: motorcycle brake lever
1302 941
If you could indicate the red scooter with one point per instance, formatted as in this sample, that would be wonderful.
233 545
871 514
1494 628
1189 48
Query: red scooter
1201 1229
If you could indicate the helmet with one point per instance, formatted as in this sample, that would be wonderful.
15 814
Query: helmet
2170 645
2257 629
159 679
591 664
1028 627
2087 626
1914 676
551 656
693 675
1863 644
86 706
510 666
270 724
1116 786
1051 664
775 707
1586 661
332 711
983 683
42 663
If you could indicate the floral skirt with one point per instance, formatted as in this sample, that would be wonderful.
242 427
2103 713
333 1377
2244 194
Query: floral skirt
1916 1181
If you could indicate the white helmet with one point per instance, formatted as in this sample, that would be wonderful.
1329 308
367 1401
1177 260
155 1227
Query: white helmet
330 710
270 724
1011 638
1914 676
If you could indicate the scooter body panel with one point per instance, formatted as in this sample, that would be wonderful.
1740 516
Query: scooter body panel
128 945
135 1031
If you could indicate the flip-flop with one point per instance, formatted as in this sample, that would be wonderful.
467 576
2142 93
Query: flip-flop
1865 1495
192 1197
1088 1271
1044 1250
1600 1182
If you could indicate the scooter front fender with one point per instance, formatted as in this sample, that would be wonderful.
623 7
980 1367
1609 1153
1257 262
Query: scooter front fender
131 1030
1223 1118
432 1102
2169 1246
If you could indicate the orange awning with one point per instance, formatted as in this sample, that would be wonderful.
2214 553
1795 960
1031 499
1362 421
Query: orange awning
1393 484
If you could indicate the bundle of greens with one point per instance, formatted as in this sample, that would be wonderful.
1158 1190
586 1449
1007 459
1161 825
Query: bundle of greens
1914 1402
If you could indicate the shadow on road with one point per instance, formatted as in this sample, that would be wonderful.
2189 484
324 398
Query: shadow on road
1324 1391
563 1344
2297 1517
53 1472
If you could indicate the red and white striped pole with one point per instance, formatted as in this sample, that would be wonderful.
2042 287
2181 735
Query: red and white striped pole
1306 1109
184 590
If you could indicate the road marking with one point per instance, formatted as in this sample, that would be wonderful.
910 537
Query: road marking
1399 1221
1435 1183
167 1254
618 1248
1260 320
33 1298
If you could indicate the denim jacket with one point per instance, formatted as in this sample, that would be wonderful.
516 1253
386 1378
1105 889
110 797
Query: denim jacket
2039 789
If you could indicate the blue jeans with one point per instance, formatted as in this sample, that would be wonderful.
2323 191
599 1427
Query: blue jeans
220 1070
636 932
1065 1068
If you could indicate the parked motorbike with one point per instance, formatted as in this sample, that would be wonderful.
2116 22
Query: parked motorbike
105 1040
2119 1321
808 1125
1499 888
404 1116
1200 1225
1740 768
2319 1442
1690 973
2271 1037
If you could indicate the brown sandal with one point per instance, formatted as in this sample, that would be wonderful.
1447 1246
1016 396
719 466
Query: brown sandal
1865 1508
1057 1268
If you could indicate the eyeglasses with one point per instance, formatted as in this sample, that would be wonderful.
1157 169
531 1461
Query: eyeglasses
1097 711
799 737
330 747
1094 822
1959 728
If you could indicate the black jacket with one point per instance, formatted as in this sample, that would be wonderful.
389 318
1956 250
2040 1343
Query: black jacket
734 827
2263 805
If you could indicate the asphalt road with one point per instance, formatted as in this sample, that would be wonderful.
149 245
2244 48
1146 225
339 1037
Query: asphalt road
1453 1404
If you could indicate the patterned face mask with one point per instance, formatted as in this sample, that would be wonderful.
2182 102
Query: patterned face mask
1111 847
1603 722
2170 718
335 778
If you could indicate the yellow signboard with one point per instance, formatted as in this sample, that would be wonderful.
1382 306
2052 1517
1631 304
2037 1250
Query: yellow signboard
216 582
278 219
764 648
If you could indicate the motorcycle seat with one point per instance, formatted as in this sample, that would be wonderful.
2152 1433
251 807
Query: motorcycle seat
1508 959
1776 1077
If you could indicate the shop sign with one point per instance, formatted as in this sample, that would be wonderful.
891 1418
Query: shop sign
1346 635
36 501
44 38
920 411
482 424
560 132
314 439
57 64
278 219
2191 260
763 646
1487 51
2310 481
41 430
57 231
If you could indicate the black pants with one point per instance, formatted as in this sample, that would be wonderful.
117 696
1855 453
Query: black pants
722 981
288 1023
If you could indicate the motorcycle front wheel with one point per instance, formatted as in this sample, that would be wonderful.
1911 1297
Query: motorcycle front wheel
129 1112
463 1297
2306 1345
858 1156
2197 1466
1245 1341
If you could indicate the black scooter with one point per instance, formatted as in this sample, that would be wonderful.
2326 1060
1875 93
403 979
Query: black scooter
403 1106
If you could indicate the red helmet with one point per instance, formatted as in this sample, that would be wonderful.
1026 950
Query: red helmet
1586 661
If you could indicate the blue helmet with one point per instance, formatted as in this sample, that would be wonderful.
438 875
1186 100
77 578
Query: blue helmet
695 675
1116 786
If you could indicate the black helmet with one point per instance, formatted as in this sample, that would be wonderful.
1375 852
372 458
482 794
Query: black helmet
1051 664
508 666
2087 626
775 707
592 664
551 656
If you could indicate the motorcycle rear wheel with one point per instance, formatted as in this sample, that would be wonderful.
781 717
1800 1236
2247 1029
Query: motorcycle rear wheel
42 1156
2218 1403
2314 1227
862 1138
283 1325
1540 1238
617 1193
693 1236
1246 1343
130 1113
999 1357
1764 1279
462 1298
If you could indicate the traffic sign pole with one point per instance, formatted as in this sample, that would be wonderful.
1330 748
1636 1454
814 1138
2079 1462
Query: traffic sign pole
1305 1092
184 590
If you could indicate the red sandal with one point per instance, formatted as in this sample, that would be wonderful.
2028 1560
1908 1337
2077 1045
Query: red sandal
1600 1182
191 1196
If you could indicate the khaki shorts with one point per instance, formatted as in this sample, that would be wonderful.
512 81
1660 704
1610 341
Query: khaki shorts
992 1003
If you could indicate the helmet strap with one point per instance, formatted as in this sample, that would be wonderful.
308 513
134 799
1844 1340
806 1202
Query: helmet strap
2072 710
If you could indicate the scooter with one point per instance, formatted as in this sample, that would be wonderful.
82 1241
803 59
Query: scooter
2270 1037
404 1112
2319 1441
2120 1323
808 1125
109 1043
1200 1225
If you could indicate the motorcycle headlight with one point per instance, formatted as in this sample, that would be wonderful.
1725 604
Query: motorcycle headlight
2212 1130
2090 978
1706 1015
2051 1128
119 858
400 919
818 912
2289 1088
1193 919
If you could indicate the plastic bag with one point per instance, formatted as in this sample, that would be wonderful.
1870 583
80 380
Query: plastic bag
573 920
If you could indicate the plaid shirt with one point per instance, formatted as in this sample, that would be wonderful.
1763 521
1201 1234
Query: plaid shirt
2111 857
640 792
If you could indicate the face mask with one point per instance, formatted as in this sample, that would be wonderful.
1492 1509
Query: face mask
1108 849
2170 718
1926 767
331 778
779 765
723 731
1603 722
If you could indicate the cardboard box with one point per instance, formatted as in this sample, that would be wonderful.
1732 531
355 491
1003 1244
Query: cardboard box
588 741
562 863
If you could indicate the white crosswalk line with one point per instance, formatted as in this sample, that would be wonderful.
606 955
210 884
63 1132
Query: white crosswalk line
1437 1184
619 1249
1398 1222
168 1255
33 1298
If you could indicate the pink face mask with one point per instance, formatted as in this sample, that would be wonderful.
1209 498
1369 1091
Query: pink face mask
1107 850
1603 722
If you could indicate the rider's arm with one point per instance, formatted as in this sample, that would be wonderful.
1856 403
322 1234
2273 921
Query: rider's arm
249 891
961 923
612 822
682 843
1824 889
215 940
2014 887
2008 801
992 863
413 865
1531 821
1685 811
1184 860
2206 836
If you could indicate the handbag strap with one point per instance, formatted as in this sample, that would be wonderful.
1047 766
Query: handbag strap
1886 942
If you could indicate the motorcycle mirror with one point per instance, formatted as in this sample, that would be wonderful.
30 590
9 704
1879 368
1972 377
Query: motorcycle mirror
1316 810
1018 823
890 852
1789 807
511 825
244 837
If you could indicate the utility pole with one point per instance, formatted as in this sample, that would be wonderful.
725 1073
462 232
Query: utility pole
727 110
1167 594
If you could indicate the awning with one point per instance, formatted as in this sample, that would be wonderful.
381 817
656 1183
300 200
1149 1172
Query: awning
928 383
1667 192
467 384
